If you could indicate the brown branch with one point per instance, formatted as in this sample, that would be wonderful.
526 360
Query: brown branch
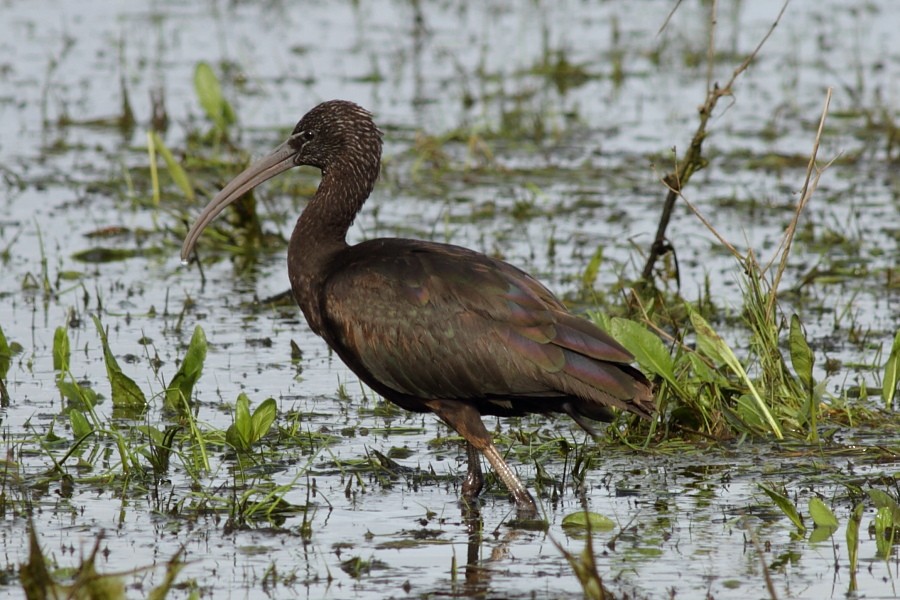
694 160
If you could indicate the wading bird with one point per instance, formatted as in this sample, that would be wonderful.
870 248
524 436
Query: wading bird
432 327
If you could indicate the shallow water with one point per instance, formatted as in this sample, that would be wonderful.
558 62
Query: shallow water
587 166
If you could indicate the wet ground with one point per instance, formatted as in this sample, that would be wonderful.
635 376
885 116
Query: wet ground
569 112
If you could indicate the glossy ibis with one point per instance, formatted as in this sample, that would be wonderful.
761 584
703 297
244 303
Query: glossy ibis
432 327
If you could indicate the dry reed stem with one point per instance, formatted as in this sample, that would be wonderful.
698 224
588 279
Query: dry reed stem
809 187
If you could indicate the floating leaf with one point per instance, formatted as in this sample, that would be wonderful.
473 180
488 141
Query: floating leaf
125 392
108 232
802 357
106 255
786 506
70 275
61 350
821 514
891 374
585 519
182 385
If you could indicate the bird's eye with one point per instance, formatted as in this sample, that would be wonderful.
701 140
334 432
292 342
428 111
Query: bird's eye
307 135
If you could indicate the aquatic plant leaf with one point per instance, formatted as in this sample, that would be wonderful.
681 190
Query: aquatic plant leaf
584 519
246 429
79 396
853 541
821 534
748 411
88 583
821 514
209 93
240 432
802 357
61 350
713 346
80 425
125 392
263 417
786 506
891 374
584 566
179 175
173 568
647 348
5 355
885 531
182 385
589 276
882 499
34 575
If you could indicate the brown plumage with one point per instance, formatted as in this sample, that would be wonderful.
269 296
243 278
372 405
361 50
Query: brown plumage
433 327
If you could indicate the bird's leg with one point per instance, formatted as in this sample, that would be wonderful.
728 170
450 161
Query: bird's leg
466 420
474 480
524 502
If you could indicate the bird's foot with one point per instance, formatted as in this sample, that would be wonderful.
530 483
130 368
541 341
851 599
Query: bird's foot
527 515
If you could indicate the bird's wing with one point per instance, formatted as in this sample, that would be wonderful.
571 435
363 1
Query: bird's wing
439 321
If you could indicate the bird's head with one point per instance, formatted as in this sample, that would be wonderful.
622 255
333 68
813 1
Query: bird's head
335 134
335 131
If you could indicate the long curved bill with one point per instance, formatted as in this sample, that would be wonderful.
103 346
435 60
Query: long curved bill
277 161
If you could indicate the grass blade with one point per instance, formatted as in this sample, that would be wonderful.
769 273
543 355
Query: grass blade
179 175
712 345
891 374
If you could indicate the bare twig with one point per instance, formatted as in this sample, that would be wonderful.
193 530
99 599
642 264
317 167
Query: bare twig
711 46
669 17
770 585
694 160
